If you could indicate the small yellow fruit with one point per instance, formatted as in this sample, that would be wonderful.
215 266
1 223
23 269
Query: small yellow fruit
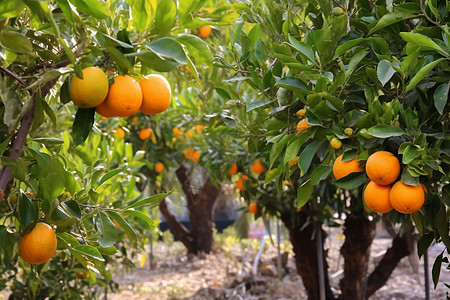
293 161
335 143
120 133
301 112
348 131
159 167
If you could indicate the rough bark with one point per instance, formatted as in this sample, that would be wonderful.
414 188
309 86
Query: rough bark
199 239
359 234
401 247
306 254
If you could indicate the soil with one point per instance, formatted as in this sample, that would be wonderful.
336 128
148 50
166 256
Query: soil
227 274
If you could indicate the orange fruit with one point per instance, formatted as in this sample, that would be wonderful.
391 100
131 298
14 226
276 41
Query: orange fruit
38 245
104 111
348 131
293 161
156 94
240 184
91 90
135 119
257 167
205 31
335 143
233 169
120 132
244 177
252 208
376 197
198 128
124 98
176 131
286 182
145 133
189 134
301 112
196 156
159 167
303 125
405 198
104 119
383 167
343 168
188 153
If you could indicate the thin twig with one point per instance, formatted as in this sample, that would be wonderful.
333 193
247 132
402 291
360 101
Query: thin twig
13 75
422 8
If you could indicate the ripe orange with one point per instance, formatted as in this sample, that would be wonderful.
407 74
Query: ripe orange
145 133
301 112
405 198
91 90
188 153
293 161
176 131
189 134
82 274
343 168
376 197
124 98
257 167
383 167
335 143
303 125
244 177
135 119
38 245
196 156
205 31
198 128
233 169
104 111
159 167
156 94
120 132
240 184
252 208
104 119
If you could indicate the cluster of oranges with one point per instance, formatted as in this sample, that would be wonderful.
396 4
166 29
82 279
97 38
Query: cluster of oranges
192 154
125 97
257 168
383 169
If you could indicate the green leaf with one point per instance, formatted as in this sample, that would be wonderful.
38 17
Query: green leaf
197 48
302 48
293 147
16 42
385 131
424 243
49 111
27 212
292 83
48 76
2 236
411 152
4 145
441 97
70 183
109 175
82 125
95 8
304 193
120 59
143 12
167 47
422 41
152 201
351 181
419 221
384 72
123 224
166 12
401 12
141 216
107 229
65 7
54 180
306 156
436 271
320 173
257 104
354 61
89 251
348 45
222 93
11 8
272 174
72 207
154 62
441 222
422 73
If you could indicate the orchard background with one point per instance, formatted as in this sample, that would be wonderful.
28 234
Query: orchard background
265 96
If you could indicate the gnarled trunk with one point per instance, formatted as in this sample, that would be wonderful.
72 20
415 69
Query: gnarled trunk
199 239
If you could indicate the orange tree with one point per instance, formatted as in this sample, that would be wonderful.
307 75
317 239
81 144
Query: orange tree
63 165
314 80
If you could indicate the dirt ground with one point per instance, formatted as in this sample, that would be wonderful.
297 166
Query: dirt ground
227 274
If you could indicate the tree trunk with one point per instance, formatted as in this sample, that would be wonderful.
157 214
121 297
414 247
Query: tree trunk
199 239
306 255
359 234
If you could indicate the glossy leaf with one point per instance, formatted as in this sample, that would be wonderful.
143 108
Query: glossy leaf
152 201
272 174
143 12
292 83
82 125
306 156
11 8
109 175
141 216
304 192
436 271
97 9
422 73
320 173
351 181
302 48
167 47
257 104
197 48
166 11
421 40
72 207
441 97
385 131
411 152
401 12
89 251
384 72
54 180
15 42
107 230
123 224
27 212
424 243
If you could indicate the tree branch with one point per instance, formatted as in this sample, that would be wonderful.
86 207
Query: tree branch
422 8
13 75
179 229
181 173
